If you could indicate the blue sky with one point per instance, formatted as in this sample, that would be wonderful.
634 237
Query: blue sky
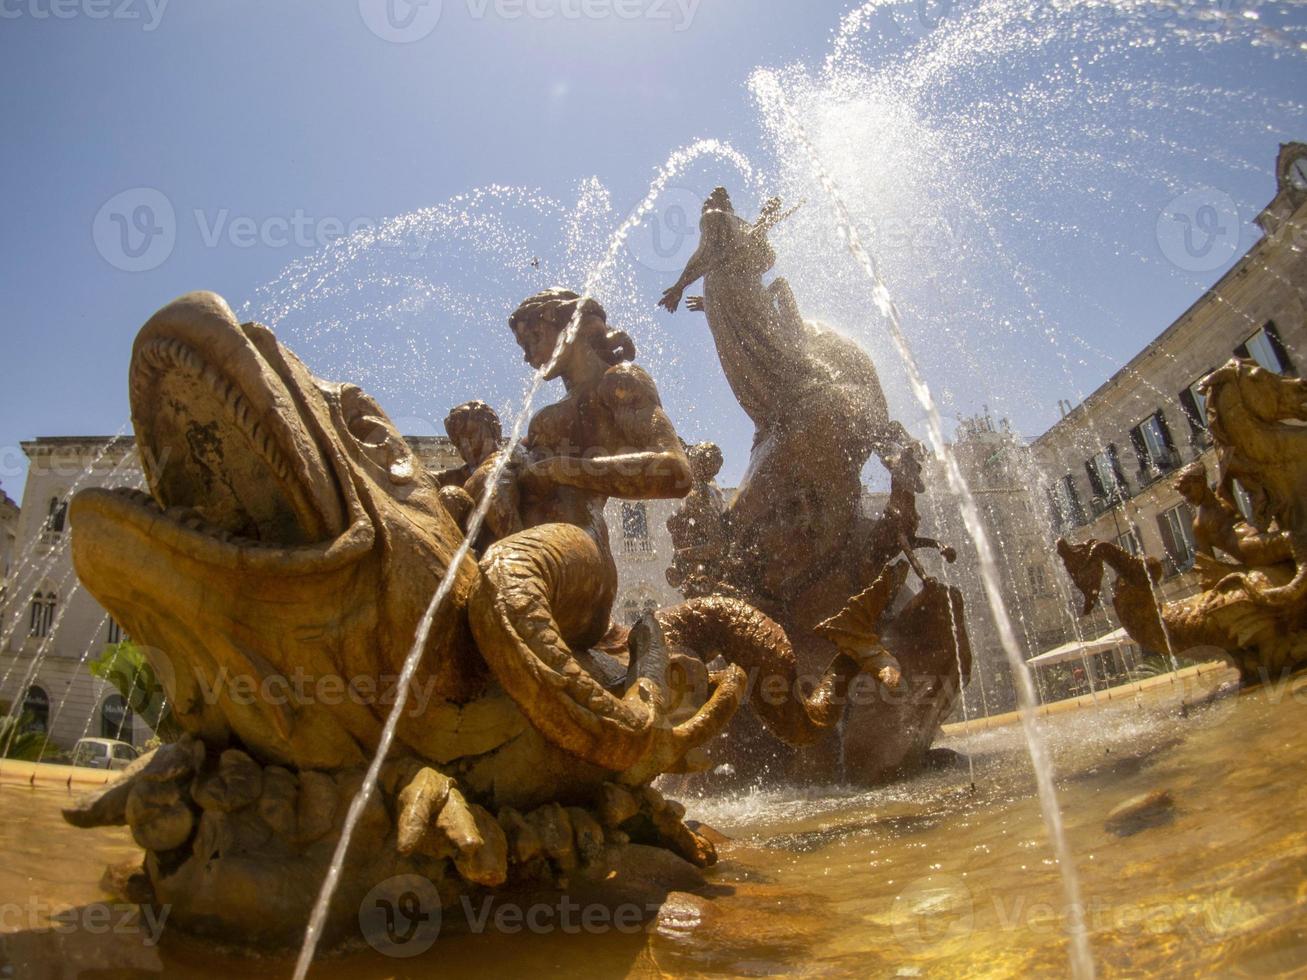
262 113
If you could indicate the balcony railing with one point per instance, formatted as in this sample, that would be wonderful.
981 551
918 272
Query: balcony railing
1158 467
637 547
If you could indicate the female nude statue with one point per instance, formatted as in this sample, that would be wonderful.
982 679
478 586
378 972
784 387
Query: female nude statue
555 580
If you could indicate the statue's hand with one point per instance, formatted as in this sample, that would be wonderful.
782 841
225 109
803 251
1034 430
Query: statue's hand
671 299
694 304
949 554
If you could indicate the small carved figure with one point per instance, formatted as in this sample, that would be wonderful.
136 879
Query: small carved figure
896 531
1247 411
475 431
1218 525
698 527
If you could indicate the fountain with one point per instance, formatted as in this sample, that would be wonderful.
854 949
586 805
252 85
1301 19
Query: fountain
405 709
535 729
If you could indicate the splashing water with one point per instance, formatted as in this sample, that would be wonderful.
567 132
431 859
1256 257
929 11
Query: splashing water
771 95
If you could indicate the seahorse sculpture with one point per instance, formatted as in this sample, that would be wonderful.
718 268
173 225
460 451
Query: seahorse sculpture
1253 603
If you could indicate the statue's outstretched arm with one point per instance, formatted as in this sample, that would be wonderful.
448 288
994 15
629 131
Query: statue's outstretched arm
708 253
694 270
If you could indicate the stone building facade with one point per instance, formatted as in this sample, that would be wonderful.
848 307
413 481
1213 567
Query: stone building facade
1108 466
642 550
996 464
51 626
8 534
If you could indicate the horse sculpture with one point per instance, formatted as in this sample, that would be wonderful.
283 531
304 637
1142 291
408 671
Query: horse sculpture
1257 419
1253 603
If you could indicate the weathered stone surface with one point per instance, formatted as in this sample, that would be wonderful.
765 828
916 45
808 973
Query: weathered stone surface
524 841
480 848
375 822
420 802
711 834
128 882
107 805
555 829
587 833
616 805
278 804
236 783
222 834
315 807
1141 812
641 874
160 819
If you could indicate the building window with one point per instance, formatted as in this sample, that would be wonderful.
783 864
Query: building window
36 707
1065 503
1177 529
1151 439
635 530
1267 349
649 605
115 632
57 515
631 612
1038 579
116 718
1194 404
41 620
1105 478
1130 543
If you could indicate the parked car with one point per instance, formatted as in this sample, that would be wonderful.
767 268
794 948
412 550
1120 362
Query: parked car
103 753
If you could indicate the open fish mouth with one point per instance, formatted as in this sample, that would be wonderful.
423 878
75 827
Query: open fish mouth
237 463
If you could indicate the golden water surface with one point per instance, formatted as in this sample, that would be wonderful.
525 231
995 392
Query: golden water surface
921 879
